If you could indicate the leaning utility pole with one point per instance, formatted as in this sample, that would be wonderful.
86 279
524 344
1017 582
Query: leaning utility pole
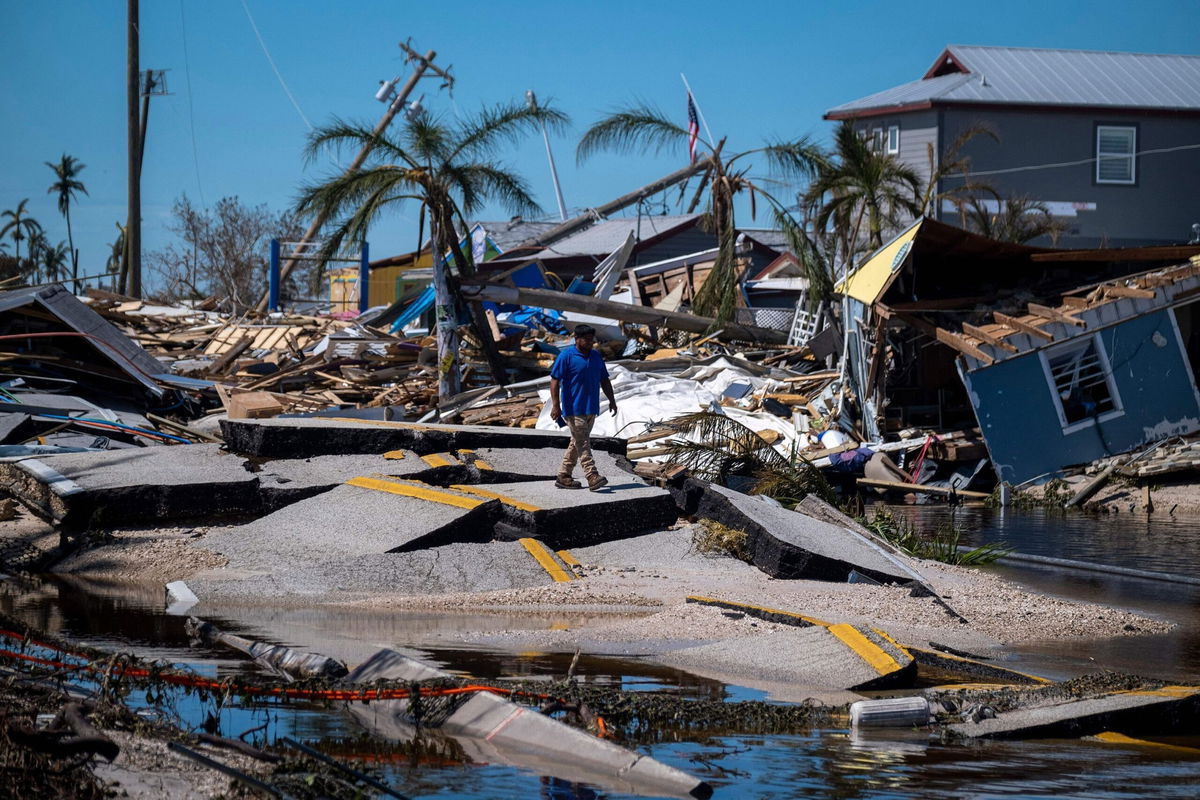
133 233
424 63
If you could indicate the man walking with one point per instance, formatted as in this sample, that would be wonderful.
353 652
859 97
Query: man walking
576 379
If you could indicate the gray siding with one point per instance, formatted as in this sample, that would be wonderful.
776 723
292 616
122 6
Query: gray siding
918 130
1159 209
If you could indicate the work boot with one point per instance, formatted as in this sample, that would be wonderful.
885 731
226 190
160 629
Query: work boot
597 482
567 482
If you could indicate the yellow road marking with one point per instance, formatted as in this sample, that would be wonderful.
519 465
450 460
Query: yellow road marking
763 609
1166 691
419 491
867 650
481 464
438 460
568 559
394 455
951 657
1112 737
503 498
543 557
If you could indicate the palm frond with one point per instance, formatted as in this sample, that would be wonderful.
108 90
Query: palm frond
506 123
638 129
799 158
498 183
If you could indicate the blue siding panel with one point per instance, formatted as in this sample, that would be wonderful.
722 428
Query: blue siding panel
1017 410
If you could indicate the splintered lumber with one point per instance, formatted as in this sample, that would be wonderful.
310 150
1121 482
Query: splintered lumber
253 405
1021 326
987 338
963 346
1092 486
1076 302
222 364
1054 315
563 301
920 488
1118 290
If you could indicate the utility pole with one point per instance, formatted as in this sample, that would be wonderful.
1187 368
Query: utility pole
531 99
133 232
424 63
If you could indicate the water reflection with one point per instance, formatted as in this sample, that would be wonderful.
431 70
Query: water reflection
1157 543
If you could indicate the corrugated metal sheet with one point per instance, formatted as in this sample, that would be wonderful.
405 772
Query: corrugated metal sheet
1020 75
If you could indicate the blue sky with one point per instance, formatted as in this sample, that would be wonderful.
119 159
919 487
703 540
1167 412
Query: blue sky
759 70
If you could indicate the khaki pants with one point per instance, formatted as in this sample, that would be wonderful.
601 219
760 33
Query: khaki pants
580 448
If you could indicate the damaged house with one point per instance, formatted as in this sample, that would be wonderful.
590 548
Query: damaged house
1062 357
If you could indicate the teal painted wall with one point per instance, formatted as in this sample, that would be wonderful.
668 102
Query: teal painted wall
1017 410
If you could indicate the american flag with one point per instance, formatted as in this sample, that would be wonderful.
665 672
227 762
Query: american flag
693 128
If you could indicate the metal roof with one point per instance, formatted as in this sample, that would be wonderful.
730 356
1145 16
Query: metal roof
1031 76
605 237
510 233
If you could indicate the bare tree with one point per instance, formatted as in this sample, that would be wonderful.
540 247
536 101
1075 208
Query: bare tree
222 251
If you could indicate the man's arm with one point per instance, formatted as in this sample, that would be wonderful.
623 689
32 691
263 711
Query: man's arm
606 385
555 408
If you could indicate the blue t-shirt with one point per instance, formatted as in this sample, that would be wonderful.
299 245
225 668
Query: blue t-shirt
579 381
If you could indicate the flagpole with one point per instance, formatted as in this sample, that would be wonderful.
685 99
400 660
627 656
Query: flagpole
698 111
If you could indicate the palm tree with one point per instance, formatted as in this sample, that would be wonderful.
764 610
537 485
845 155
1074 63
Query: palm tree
861 194
19 226
643 128
450 171
38 245
1017 218
67 171
55 259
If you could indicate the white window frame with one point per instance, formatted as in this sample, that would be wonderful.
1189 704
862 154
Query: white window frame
877 140
1131 155
1079 343
893 140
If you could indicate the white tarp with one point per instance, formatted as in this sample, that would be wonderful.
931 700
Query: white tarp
647 398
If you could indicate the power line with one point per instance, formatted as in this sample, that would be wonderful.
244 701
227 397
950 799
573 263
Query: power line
267 53
1078 163
187 71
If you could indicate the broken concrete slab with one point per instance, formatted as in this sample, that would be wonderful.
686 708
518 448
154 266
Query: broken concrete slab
304 437
369 515
448 569
826 656
788 544
133 486
576 517
492 729
542 463
287 481
1163 711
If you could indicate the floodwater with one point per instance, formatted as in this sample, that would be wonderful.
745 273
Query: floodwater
1155 543
821 763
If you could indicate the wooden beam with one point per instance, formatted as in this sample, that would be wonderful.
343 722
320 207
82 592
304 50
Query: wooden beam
1119 290
963 346
1054 315
1167 253
987 338
1023 327
1075 302
625 312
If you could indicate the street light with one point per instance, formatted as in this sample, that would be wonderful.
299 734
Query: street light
531 100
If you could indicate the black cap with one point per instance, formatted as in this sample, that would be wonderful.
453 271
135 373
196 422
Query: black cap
584 330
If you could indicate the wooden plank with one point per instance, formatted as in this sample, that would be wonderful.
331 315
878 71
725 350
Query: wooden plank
1156 253
220 366
1118 290
921 488
1021 326
987 338
963 346
1054 315
1075 302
